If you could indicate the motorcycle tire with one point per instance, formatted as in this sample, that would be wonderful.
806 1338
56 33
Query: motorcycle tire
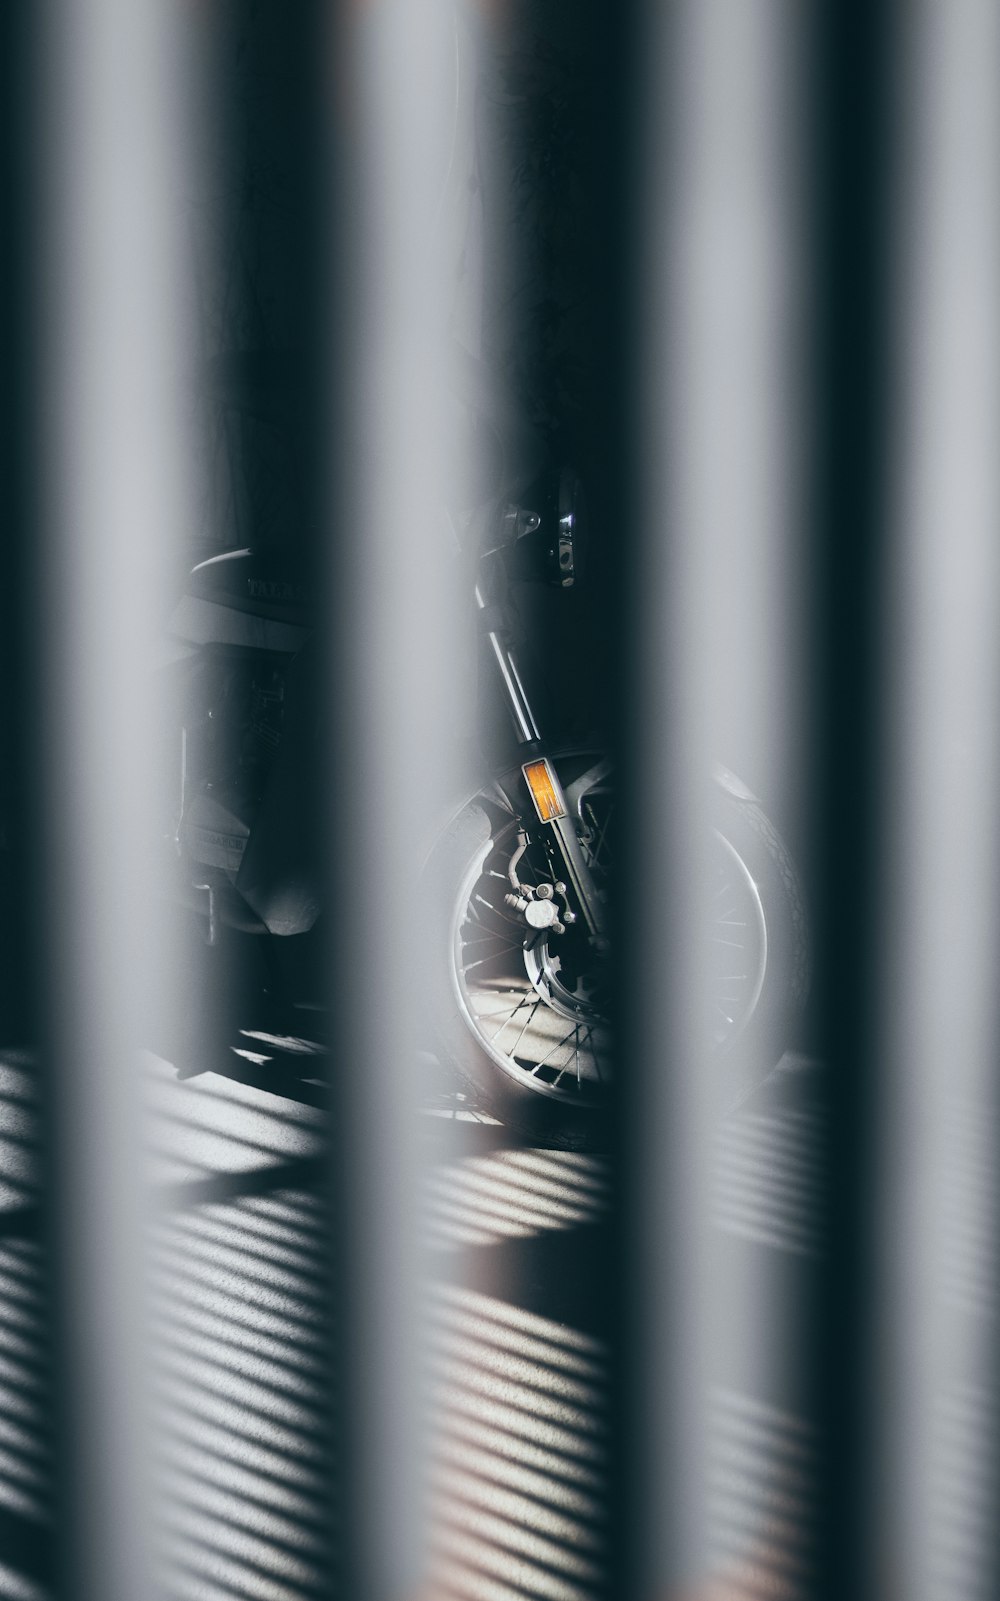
524 1030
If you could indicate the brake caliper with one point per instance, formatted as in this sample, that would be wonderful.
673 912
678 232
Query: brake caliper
537 903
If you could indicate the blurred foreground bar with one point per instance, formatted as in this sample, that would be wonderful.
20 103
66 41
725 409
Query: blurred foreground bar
933 1400
717 675
113 354
400 604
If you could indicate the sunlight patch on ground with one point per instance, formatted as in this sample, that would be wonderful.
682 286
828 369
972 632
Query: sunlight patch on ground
520 1417
512 1194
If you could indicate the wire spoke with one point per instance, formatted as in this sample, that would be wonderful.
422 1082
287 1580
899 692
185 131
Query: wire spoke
482 961
558 1044
528 1021
513 1013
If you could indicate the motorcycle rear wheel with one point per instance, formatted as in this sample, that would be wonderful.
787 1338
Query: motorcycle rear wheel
521 1015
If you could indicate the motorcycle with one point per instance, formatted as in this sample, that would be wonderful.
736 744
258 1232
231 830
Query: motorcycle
522 934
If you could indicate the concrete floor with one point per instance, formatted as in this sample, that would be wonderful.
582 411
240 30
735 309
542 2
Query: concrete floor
520 1331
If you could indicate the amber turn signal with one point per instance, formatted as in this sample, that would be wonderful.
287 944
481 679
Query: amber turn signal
541 781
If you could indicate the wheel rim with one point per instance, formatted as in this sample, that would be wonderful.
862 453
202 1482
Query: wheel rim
535 1005
531 1025
738 937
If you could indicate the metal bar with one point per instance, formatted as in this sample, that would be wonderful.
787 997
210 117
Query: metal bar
935 1427
399 693
713 599
520 708
115 477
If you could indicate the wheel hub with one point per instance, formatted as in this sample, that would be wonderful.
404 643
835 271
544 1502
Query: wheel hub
544 968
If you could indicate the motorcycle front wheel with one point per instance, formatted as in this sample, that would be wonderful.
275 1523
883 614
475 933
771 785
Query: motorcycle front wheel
523 1015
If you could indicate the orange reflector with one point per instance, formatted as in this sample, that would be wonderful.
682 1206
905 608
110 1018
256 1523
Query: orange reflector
540 779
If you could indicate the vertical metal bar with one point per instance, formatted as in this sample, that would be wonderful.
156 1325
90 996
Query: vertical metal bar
936 1219
114 464
716 671
399 695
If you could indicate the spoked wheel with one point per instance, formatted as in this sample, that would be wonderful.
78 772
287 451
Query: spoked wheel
534 1001
525 1016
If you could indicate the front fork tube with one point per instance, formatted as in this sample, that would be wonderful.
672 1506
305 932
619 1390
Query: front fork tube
529 738
578 871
